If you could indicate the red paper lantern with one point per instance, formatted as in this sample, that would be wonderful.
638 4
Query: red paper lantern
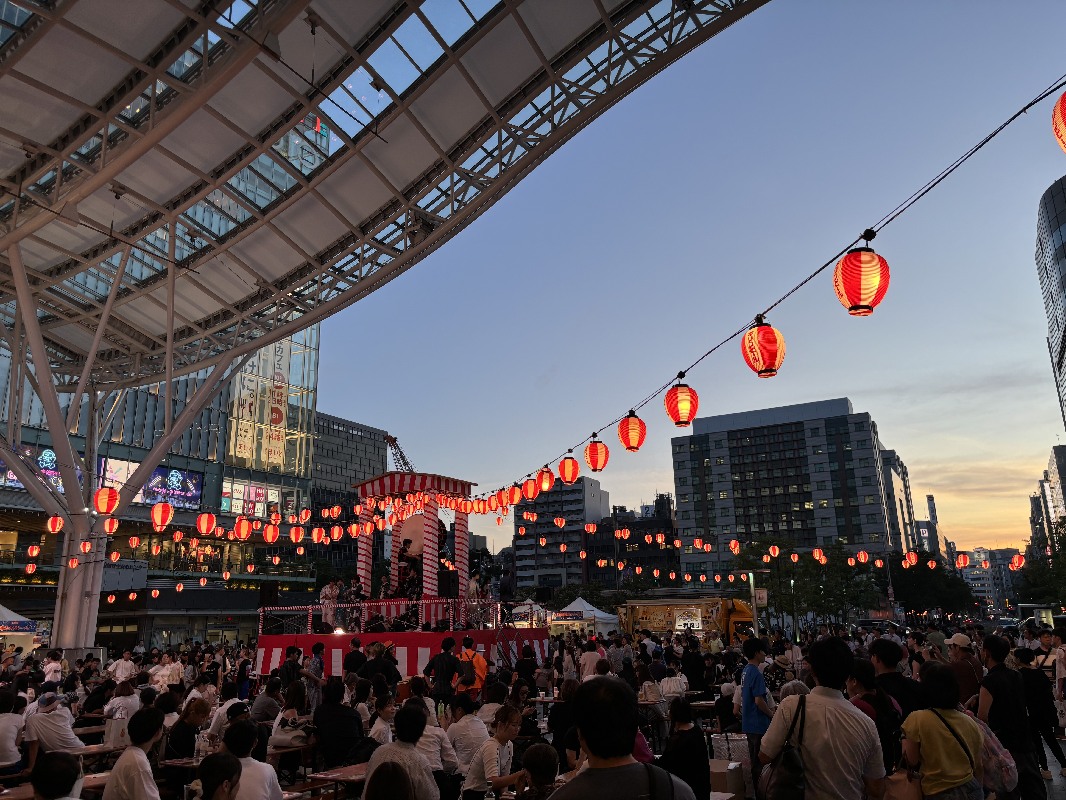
568 468
542 541
31 568
774 551
879 563
72 562
638 569
379 523
499 520
336 533
317 534
862 556
271 533
962 561
673 575
296 534
546 478
135 542
931 563
766 558
906 564
717 578
861 281
105 500
110 526
681 403
1017 561
521 530
530 488
596 454
560 522
178 536
225 575
33 551
162 514
492 503
817 553
250 568
514 495
631 432
86 547
1058 121
155 593
157 549
242 529
823 560
985 564
54 524
305 515
688 578
590 527
655 572
110 598
763 348
562 547
734 547
621 565
795 558
703 578
132 596
851 561
205 524
912 558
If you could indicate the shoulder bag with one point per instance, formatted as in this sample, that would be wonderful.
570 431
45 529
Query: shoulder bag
784 778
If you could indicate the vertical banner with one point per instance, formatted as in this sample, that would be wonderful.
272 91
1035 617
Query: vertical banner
280 354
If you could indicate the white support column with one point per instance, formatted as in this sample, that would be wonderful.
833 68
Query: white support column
462 558
364 559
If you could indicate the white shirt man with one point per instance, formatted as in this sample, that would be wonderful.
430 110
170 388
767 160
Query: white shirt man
840 747
381 732
53 671
123 669
259 781
467 735
52 728
131 777
218 721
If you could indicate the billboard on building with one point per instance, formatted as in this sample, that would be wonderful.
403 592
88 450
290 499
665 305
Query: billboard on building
259 409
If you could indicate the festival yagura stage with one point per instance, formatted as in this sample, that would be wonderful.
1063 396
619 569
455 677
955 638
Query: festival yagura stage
413 650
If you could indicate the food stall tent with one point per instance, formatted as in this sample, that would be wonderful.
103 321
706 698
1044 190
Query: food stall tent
582 615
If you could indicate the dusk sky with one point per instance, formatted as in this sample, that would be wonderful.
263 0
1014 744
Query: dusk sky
698 200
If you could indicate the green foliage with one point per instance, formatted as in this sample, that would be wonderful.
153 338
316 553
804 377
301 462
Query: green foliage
919 588
1043 580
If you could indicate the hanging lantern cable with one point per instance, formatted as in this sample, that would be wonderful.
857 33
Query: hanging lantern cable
867 236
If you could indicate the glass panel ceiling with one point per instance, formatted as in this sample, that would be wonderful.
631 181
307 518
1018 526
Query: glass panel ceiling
12 18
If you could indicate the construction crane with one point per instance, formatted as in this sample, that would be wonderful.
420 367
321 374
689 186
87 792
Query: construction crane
399 457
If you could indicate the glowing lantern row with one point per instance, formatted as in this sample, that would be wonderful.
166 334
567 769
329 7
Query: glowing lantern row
568 468
54 524
861 280
862 556
596 454
763 348
336 533
631 432
251 568
157 549
162 514
962 561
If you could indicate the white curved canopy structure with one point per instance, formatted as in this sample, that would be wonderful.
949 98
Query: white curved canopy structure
186 207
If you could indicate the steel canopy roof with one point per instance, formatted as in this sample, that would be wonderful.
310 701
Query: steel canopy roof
197 179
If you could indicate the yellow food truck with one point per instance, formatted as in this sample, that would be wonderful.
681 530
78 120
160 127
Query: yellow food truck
698 615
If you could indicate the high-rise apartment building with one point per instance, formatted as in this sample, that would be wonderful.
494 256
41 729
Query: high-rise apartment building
990 579
644 540
1051 270
558 561
805 475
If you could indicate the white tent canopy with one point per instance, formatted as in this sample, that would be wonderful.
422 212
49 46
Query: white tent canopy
10 622
583 611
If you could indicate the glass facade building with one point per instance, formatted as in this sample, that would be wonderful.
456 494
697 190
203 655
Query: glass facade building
1051 270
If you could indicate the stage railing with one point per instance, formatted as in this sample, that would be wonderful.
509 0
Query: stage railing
380 616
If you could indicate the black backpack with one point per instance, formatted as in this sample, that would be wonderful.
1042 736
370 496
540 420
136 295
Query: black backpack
467 673
889 723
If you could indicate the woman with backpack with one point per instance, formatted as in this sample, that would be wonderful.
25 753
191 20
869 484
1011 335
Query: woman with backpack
879 706
945 743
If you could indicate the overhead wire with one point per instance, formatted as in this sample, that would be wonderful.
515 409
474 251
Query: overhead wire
1056 86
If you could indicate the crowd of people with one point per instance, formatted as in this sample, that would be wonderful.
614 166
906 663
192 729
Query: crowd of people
962 715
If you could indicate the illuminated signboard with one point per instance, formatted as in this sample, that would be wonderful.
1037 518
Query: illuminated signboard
47 463
179 487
